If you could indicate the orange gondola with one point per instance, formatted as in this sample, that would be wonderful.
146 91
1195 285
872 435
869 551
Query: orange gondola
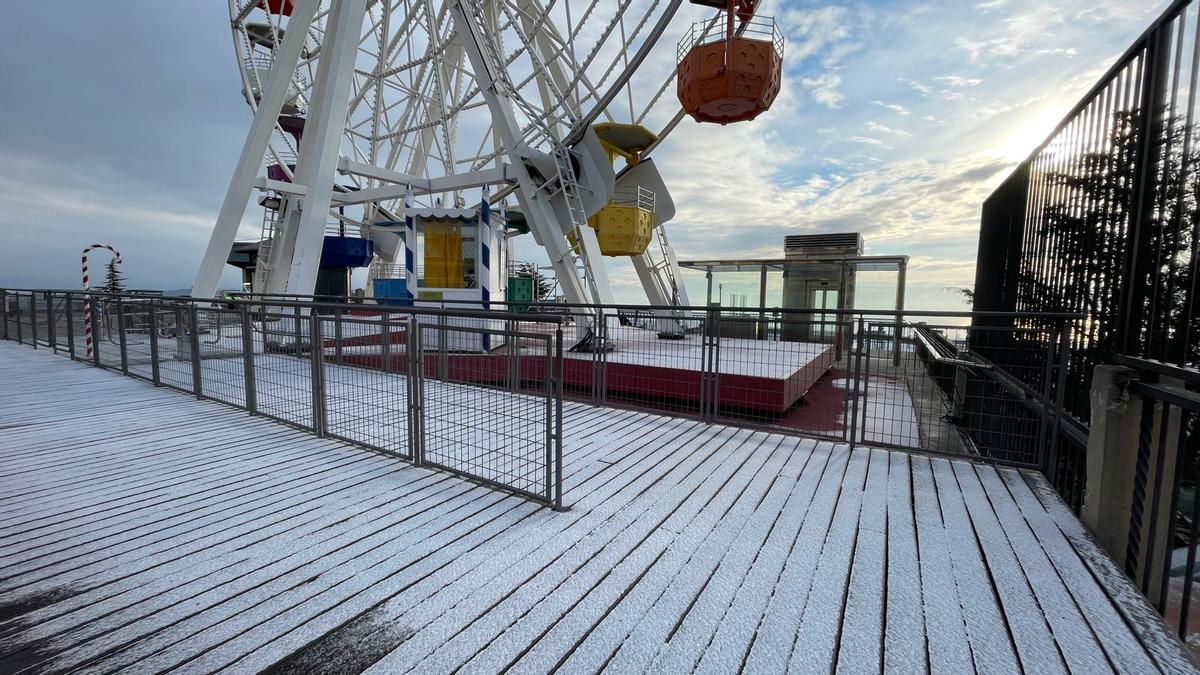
735 75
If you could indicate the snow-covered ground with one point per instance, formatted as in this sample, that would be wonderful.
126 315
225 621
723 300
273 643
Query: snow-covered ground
141 529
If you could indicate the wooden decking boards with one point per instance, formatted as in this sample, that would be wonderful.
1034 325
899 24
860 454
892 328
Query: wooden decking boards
141 528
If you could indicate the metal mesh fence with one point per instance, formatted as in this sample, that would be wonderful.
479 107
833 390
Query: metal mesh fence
474 421
935 389
781 372
366 382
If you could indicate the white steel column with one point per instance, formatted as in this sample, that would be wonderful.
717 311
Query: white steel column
229 219
535 204
317 164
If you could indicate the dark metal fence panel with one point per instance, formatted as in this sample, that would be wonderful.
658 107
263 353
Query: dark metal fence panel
1102 218
1162 547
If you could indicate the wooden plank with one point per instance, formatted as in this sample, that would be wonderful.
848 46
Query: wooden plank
945 631
987 630
862 632
1122 646
775 635
821 621
905 647
1076 642
1161 644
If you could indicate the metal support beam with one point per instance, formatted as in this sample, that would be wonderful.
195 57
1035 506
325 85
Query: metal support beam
535 203
318 159
229 219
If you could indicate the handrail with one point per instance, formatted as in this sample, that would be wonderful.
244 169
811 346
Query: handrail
1189 376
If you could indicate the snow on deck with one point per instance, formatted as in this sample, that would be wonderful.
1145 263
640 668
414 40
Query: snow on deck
141 528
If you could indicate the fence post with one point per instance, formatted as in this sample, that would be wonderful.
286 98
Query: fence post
70 328
51 333
600 361
121 338
385 341
442 365
248 376
194 348
856 388
558 417
315 352
337 336
17 313
548 395
1156 71
416 395
4 312
155 373
33 331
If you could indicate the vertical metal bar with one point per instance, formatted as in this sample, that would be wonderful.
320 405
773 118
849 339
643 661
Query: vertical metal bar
714 411
1185 604
51 333
337 336
315 352
1156 497
558 418
417 390
70 328
762 303
20 337
901 280
33 331
248 376
1156 61
856 385
600 361
194 347
385 341
4 312
442 364
155 374
548 396
122 338
1177 476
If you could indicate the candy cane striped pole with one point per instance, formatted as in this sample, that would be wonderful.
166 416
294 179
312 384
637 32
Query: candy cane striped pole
87 298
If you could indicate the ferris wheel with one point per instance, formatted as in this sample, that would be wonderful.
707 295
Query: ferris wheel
368 111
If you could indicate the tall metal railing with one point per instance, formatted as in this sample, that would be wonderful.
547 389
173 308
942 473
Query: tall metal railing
389 380
1101 219
1164 521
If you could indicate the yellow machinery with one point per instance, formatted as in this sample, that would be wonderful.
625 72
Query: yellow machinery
626 225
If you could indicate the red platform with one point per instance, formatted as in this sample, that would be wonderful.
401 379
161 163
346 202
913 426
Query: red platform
768 377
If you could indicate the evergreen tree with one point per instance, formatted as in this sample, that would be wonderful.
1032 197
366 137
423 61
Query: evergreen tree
114 281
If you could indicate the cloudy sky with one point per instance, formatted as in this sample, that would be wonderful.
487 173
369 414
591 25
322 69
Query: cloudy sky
120 123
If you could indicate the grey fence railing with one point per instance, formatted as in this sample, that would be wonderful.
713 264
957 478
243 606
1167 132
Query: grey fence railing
391 380
940 382
1164 521
933 381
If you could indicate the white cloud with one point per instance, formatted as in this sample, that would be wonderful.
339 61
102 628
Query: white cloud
894 107
883 129
959 81
824 89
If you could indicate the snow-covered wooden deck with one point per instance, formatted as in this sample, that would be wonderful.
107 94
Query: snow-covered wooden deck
140 528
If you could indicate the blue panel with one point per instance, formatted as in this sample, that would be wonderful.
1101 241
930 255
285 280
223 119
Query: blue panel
346 252
393 292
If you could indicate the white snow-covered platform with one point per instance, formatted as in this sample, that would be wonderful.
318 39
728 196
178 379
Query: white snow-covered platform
143 529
